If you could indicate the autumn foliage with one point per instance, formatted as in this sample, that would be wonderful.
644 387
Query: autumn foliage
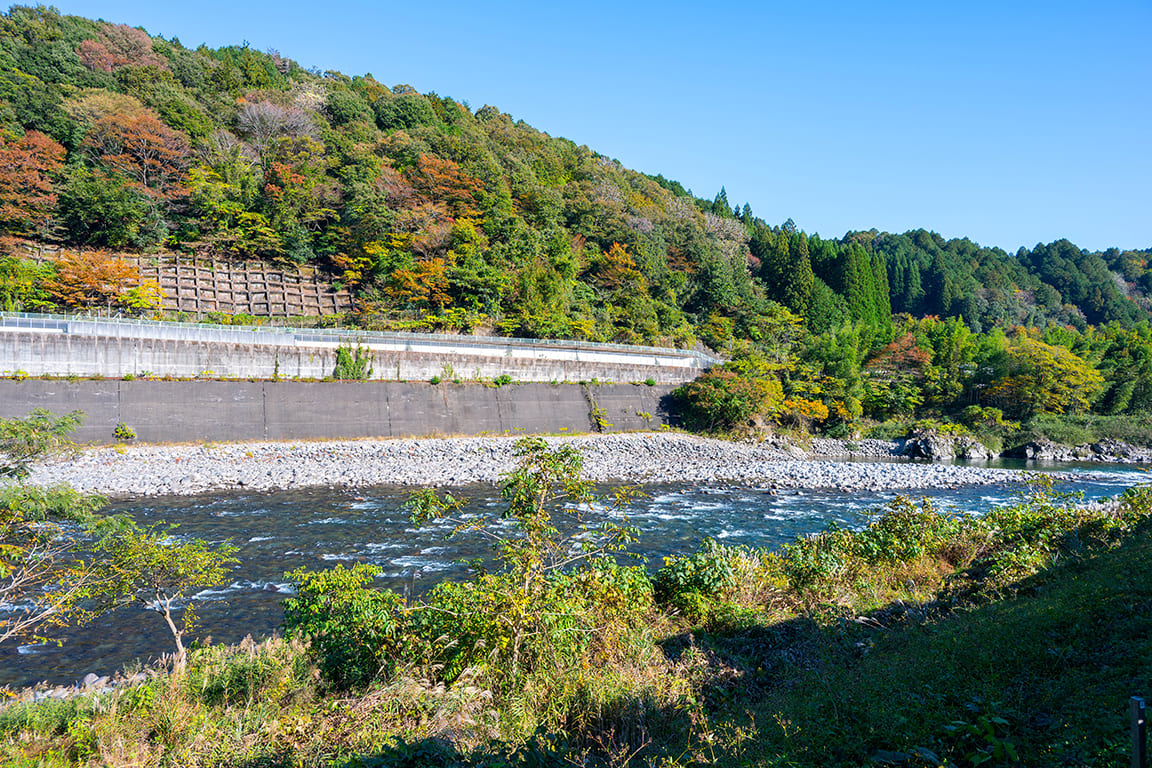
143 150
1043 378
119 46
443 181
27 166
85 279
902 357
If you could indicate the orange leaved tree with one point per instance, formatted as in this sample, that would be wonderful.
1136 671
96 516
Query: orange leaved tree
27 165
87 279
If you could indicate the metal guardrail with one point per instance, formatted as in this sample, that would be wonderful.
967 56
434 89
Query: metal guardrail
205 332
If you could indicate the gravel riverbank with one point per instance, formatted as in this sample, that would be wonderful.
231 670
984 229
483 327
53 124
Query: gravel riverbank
149 470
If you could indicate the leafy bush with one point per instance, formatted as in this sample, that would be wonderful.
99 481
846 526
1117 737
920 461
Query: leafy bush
891 429
1058 429
1130 428
717 584
707 572
1024 538
124 432
493 624
905 531
551 593
355 632
940 427
817 559
722 399
1135 429
353 363
57 502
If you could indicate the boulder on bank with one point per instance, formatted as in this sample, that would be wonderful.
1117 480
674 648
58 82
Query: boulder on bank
1046 450
927 444
931 445
1105 450
971 449
1114 450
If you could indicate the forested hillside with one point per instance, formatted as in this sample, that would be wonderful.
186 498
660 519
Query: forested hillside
439 216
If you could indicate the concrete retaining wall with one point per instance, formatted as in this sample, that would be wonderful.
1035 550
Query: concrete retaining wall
189 411
61 346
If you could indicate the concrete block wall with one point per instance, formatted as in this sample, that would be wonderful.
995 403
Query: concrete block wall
190 411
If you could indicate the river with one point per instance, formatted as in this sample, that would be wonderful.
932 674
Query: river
277 532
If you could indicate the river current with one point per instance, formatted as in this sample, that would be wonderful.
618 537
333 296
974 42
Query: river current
280 531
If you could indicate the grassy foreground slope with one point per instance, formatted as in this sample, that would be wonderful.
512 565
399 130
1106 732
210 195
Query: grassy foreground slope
1044 677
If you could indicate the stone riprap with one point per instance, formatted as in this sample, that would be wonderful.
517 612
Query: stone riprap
144 470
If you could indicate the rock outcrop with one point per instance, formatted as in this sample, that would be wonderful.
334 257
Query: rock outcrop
1105 450
931 445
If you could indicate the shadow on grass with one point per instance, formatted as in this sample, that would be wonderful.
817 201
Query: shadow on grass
1042 678
541 751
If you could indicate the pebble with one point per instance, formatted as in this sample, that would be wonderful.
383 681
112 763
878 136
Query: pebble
634 457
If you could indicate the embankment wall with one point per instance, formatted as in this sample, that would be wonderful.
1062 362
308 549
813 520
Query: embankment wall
189 411
67 346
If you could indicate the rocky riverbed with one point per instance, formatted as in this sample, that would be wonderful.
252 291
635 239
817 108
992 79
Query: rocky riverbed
147 470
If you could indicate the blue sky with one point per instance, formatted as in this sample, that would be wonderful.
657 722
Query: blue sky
1010 123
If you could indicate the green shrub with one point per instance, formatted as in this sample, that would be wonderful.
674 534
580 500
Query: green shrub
838 429
49 717
707 572
356 632
902 533
940 427
905 531
492 623
818 559
724 399
1058 429
353 363
1135 428
1044 526
57 502
502 379
892 429
549 596
1130 428
123 432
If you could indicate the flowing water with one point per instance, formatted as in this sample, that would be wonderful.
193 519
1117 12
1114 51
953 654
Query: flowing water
315 529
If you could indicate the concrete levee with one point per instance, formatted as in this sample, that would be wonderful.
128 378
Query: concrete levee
190 411
41 354
193 410
66 346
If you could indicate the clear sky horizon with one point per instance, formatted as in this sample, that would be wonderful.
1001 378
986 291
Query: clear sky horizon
1008 123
